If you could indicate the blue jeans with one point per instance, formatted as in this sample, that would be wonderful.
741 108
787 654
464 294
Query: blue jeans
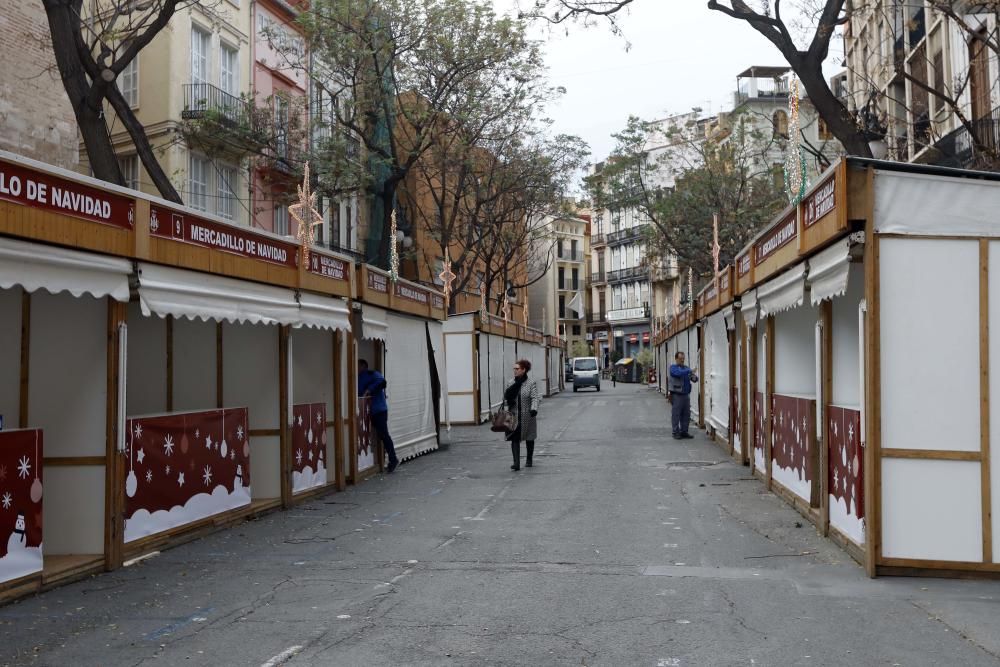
380 422
680 414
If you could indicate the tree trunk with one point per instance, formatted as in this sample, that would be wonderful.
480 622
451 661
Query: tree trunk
138 134
833 111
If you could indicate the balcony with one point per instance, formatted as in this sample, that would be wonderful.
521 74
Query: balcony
627 235
598 278
960 148
569 286
568 256
598 240
624 275
222 117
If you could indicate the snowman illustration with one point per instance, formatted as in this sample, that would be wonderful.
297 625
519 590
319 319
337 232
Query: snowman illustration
19 534
238 482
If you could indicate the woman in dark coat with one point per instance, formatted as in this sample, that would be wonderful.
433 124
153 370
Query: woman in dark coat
521 398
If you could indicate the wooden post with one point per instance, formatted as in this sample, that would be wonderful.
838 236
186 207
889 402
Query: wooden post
768 394
873 390
742 393
751 384
825 400
700 337
284 438
352 405
338 410
733 345
984 398
114 466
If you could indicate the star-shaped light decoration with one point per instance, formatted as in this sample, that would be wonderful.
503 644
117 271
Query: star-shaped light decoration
524 312
447 277
482 303
716 250
505 309
305 214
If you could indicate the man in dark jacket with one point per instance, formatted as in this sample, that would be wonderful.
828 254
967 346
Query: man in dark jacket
372 383
681 378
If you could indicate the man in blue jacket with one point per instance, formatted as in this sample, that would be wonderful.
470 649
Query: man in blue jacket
372 383
681 378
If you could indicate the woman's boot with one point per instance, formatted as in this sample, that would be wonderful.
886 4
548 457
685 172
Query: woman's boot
531 451
515 449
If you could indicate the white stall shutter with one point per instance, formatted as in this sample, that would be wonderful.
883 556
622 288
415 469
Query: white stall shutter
828 272
749 308
408 373
374 323
35 266
323 312
926 204
717 373
181 293
785 292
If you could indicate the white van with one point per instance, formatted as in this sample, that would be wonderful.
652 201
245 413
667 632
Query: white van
586 373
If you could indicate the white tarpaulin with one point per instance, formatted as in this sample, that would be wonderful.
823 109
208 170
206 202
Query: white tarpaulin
182 293
828 272
749 308
730 317
411 403
785 292
35 266
716 375
924 204
374 323
324 312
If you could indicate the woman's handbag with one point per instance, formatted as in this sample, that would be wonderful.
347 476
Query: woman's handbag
503 421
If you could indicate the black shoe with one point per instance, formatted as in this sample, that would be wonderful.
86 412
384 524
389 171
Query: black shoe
515 468
687 436
677 436
528 464
392 466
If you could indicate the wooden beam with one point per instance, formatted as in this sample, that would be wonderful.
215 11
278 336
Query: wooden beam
872 400
24 395
752 385
338 410
932 454
352 408
768 393
984 398
114 470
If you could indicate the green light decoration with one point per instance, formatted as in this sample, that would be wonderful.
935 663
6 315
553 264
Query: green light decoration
796 179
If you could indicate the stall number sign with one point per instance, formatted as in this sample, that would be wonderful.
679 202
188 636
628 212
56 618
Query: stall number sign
36 189
743 265
328 267
776 239
378 283
724 281
820 203
412 294
437 301
186 228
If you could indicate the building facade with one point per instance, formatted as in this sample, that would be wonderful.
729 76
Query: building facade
558 301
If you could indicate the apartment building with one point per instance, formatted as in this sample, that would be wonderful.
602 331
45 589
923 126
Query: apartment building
558 301
901 55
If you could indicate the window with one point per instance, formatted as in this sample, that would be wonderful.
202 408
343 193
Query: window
226 180
198 182
576 329
562 278
562 307
128 82
559 248
780 124
572 250
824 130
200 45
281 220
576 278
281 125
937 66
129 166
229 70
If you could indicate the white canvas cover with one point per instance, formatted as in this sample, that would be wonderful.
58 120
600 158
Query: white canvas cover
193 295
324 312
411 405
716 375
749 308
828 272
730 318
785 292
374 323
924 204
36 266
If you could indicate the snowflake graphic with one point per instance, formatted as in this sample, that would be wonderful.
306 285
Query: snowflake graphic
836 478
300 420
138 430
197 433
239 433
208 442
850 432
168 470
168 445
319 418
141 455
149 475
206 475
23 467
298 457
180 479
7 500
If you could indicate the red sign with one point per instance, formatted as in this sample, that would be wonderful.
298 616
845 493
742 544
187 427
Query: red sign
820 202
378 282
184 467
743 265
847 459
411 293
308 446
776 238
326 266
20 503
187 228
36 189
792 436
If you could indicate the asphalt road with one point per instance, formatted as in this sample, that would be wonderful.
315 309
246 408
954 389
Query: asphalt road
621 547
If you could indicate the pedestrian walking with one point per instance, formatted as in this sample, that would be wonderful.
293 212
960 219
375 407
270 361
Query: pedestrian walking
681 378
522 399
372 383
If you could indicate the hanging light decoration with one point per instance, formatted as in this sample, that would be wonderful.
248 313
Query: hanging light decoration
447 277
393 248
795 162
306 216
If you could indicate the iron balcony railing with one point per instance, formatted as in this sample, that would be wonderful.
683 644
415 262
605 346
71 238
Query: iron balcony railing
203 99
598 278
964 149
569 256
627 235
598 239
622 275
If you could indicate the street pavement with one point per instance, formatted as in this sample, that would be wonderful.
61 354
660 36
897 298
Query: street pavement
621 546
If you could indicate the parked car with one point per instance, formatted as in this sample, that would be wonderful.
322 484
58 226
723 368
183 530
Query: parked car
569 371
586 373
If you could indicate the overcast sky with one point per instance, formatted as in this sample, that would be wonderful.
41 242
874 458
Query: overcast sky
682 55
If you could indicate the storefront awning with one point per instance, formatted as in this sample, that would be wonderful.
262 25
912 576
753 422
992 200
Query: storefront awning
749 308
324 312
785 292
730 317
36 266
181 293
374 323
828 272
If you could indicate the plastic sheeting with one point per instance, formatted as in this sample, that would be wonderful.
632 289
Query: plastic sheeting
783 293
924 204
829 271
716 375
411 403
181 293
323 312
35 266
